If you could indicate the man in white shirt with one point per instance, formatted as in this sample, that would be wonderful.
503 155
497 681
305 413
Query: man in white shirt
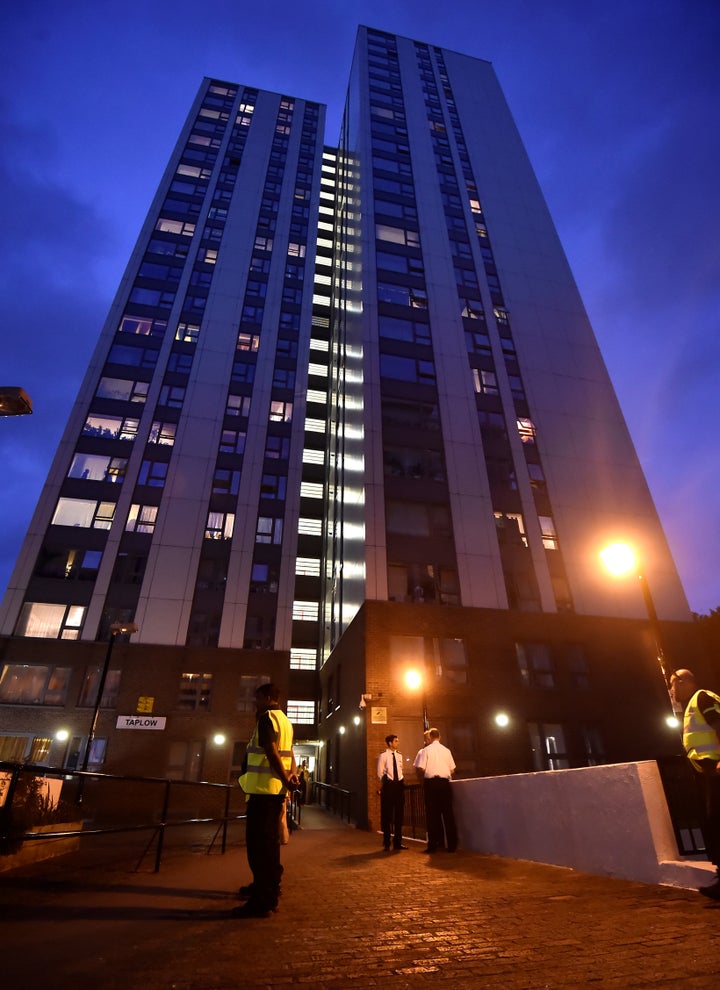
435 765
392 793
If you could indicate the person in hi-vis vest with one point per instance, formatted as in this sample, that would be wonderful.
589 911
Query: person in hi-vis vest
269 774
701 741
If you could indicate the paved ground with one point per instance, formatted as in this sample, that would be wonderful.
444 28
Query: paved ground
351 916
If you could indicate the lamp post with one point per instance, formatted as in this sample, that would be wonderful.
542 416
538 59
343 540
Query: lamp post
14 401
414 680
115 630
620 560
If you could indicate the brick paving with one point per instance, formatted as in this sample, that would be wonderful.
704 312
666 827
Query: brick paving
351 916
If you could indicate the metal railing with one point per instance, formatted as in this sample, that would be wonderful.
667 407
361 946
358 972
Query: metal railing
414 826
334 799
110 804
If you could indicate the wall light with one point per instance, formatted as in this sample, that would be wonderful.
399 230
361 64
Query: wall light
502 720
219 738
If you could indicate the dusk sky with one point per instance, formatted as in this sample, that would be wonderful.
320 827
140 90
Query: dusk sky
618 103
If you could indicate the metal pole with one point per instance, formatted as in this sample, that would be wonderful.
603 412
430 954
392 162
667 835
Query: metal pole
655 629
98 699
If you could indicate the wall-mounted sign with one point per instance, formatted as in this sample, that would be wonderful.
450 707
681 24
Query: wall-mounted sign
145 705
378 716
140 722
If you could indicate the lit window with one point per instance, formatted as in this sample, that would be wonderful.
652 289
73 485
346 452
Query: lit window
187 332
397 235
194 693
302 659
93 467
162 433
305 611
311 489
33 684
280 412
111 427
248 341
141 519
526 429
175 227
48 621
220 526
301 712
310 527
549 535
310 456
308 566
85 513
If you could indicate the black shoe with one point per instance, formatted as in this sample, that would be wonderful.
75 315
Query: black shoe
431 849
386 848
712 891
246 890
251 910
398 848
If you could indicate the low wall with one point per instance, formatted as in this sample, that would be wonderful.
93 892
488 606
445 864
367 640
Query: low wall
610 821
36 850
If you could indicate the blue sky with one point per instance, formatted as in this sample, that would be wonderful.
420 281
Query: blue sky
617 103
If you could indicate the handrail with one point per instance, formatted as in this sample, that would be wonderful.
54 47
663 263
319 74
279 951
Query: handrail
158 827
334 797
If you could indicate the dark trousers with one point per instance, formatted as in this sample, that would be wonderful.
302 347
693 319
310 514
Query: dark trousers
439 815
392 810
262 840
711 818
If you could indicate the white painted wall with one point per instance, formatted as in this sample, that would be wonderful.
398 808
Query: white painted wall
610 821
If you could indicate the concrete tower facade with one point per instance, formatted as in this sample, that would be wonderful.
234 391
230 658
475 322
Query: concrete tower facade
346 417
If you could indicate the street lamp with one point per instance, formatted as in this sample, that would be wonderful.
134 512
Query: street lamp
115 630
620 559
414 680
14 401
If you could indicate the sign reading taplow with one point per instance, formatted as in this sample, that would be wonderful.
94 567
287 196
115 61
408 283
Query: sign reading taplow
140 722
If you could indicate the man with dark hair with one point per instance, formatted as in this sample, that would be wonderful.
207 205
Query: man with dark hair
392 793
701 741
435 765
270 773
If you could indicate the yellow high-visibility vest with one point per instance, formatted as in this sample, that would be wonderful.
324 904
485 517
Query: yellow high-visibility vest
259 777
699 738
